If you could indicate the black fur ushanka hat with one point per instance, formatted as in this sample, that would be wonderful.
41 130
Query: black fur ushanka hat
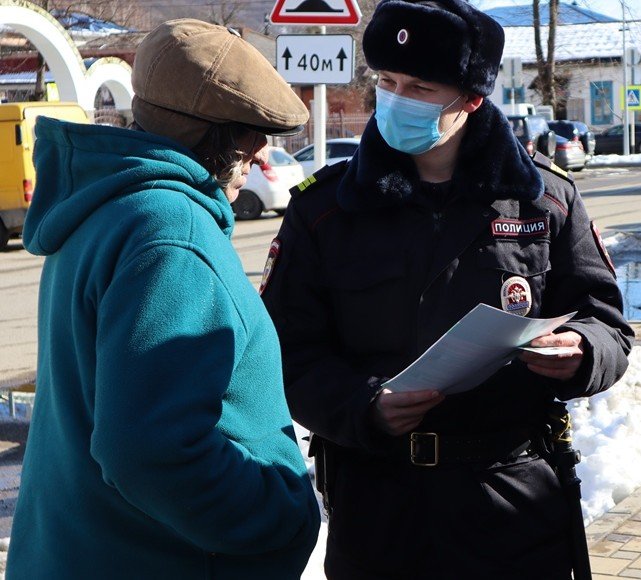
448 41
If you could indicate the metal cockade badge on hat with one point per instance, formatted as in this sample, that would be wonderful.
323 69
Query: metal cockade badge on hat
403 36
516 296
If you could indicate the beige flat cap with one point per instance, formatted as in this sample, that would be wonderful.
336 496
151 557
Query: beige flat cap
188 74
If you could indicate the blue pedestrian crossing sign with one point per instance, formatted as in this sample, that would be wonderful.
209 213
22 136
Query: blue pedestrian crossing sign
632 95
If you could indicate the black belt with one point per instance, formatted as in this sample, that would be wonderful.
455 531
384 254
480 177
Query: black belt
434 449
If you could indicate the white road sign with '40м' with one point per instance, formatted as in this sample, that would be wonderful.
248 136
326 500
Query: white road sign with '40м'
315 59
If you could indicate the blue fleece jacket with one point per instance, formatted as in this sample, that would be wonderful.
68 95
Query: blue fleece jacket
160 446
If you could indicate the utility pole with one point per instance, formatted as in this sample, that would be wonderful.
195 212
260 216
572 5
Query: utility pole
626 120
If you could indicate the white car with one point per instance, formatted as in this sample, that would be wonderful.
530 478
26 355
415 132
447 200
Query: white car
268 186
336 150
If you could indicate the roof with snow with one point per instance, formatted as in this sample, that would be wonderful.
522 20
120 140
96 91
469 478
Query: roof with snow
601 40
23 78
581 34
81 22
523 15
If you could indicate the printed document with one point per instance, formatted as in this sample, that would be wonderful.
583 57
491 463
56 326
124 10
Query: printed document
475 348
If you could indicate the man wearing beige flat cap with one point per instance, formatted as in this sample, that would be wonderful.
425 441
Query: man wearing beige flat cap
161 446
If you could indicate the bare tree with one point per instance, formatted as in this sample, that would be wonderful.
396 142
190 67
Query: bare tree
222 13
121 12
117 11
40 90
545 83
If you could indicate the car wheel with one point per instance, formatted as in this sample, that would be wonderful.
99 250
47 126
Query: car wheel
588 142
247 206
4 236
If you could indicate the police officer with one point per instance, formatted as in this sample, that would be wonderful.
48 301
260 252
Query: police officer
439 210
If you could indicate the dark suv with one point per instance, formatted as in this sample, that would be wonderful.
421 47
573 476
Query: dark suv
534 133
575 131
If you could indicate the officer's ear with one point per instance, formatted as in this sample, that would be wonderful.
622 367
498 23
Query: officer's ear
472 102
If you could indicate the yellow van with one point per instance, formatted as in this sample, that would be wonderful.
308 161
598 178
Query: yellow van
17 175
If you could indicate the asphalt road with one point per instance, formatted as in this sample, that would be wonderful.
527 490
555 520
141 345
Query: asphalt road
13 436
612 196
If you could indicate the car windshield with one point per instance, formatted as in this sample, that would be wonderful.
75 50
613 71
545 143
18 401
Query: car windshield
305 154
518 127
280 157
564 129
538 124
342 149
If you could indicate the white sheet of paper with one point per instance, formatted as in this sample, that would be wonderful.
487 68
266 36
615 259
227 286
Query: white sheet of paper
548 350
477 346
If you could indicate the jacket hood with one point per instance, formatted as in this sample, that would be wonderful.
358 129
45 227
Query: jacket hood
492 165
81 167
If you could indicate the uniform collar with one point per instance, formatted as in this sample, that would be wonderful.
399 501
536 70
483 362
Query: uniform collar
492 165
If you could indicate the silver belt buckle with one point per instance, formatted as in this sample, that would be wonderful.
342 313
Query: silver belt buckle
418 441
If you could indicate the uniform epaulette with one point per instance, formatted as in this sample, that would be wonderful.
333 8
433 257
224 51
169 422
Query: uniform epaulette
545 163
317 177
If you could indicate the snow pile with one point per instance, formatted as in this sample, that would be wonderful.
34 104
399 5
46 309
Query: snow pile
614 160
607 431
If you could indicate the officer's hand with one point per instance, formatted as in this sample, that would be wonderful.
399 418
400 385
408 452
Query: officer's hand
399 413
562 366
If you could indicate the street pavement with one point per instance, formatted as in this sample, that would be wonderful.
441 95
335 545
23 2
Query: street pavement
613 199
614 541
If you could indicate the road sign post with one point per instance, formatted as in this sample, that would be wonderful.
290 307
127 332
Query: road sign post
513 70
320 123
630 102
321 62
316 12
312 59
632 96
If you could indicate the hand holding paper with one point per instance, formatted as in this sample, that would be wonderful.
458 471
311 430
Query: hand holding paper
399 413
475 348
557 356
549 350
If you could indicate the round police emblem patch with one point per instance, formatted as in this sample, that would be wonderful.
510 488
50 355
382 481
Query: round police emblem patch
274 250
403 36
516 297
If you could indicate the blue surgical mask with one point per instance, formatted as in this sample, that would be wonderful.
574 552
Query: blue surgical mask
408 125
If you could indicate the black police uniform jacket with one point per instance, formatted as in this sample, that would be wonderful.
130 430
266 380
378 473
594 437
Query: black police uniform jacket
371 267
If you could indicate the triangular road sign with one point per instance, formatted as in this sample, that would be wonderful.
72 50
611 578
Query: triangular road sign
633 98
318 12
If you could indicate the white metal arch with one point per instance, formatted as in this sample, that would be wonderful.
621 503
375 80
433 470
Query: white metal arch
115 74
53 42
73 81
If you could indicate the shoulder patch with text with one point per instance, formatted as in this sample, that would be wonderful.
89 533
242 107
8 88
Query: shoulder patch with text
603 251
272 256
513 228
